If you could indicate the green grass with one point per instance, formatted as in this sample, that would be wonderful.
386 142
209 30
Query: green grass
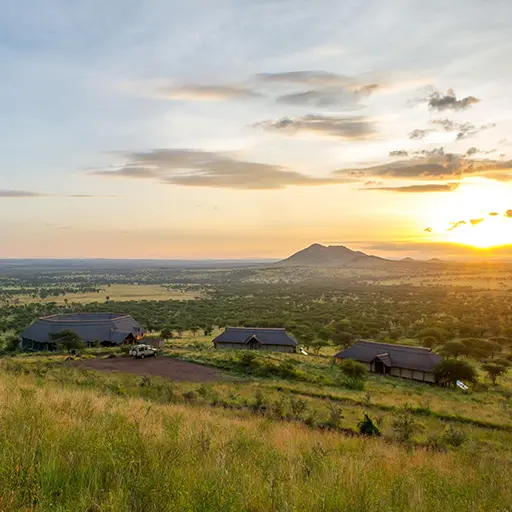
64 448
117 293
317 375
77 439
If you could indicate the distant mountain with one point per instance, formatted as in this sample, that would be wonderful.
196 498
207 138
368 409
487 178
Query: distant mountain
407 259
334 256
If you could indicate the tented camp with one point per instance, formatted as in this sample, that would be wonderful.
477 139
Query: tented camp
255 338
105 328
416 363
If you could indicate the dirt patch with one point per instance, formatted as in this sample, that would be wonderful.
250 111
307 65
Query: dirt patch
161 366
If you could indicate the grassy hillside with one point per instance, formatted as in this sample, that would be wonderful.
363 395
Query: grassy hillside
68 447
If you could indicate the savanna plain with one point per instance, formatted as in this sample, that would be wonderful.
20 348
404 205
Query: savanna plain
94 430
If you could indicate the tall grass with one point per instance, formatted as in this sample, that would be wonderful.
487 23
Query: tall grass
65 448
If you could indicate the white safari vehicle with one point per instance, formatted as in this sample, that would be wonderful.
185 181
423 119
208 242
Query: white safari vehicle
142 351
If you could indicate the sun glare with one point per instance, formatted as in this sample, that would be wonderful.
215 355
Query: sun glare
489 233
474 215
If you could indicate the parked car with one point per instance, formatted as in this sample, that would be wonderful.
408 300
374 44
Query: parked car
142 351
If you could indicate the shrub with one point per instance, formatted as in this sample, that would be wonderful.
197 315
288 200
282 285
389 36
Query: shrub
449 438
189 396
145 381
354 374
405 425
246 358
311 419
298 406
335 415
260 401
367 427
277 407
353 369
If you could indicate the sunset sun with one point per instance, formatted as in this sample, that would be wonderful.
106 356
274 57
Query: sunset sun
485 235
474 215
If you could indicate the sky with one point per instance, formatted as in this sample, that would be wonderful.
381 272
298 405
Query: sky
253 128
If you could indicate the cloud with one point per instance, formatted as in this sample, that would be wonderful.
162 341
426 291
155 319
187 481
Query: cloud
319 88
350 128
418 134
472 151
398 152
447 124
196 168
455 225
433 164
92 196
428 230
439 101
20 194
449 101
199 92
465 130
441 187
508 214
326 98
429 152
27 194
316 78
475 222
493 214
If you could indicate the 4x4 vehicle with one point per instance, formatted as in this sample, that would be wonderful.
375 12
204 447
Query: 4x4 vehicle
142 351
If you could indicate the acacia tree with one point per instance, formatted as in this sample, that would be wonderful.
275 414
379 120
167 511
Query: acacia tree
455 349
166 333
452 370
67 339
494 371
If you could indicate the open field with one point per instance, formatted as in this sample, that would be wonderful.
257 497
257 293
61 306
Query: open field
81 448
478 281
159 366
115 292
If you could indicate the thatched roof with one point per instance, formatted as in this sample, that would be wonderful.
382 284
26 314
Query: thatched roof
399 356
244 335
108 327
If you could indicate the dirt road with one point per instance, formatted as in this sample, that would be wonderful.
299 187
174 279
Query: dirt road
161 366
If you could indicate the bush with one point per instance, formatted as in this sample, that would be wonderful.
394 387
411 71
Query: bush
449 438
277 407
246 358
367 427
298 406
353 369
190 396
260 401
335 415
405 425
354 374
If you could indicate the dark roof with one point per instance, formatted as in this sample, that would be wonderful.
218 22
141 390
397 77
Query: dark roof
111 327
399 356
264 336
